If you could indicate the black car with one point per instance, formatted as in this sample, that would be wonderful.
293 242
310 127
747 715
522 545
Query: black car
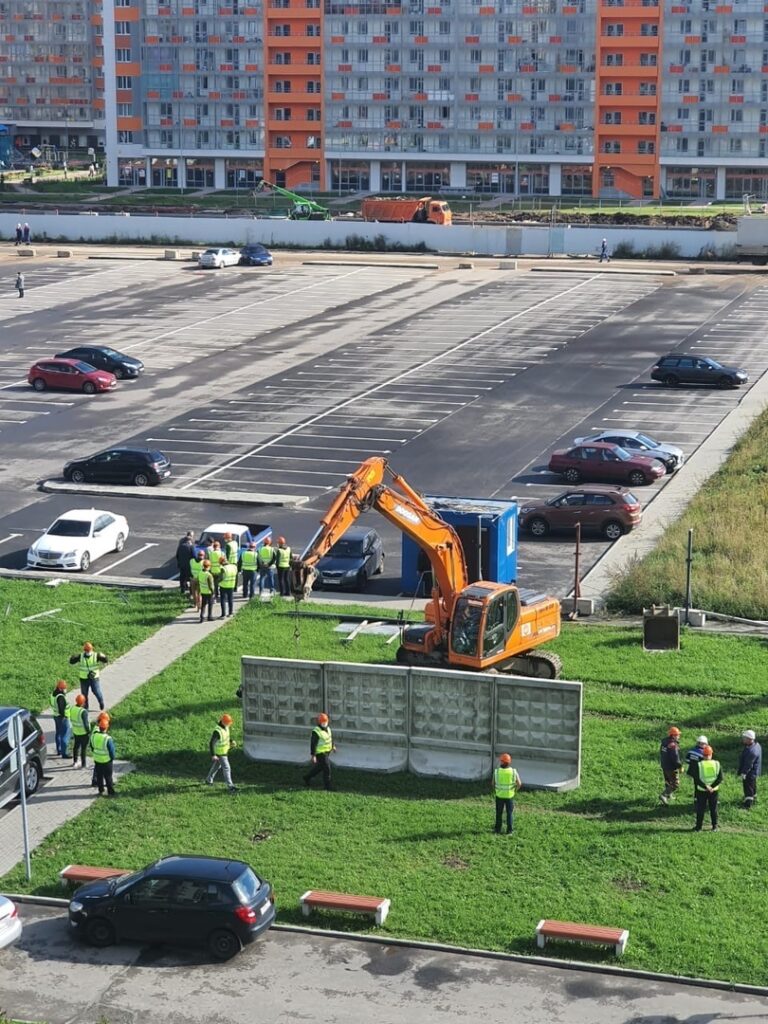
33 771
352 560
679 368
255 256
123 465
218 904
105 358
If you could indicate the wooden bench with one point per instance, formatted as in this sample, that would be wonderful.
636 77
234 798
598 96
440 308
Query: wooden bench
342 901
79 874
569 931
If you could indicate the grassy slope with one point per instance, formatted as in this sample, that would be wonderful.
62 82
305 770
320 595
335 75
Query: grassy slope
606 853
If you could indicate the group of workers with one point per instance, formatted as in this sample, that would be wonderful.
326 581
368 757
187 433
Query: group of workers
707 773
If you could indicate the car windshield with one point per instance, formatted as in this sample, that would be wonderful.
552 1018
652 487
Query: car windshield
70 528
119 885
621 453
110 352
84 367
648 441
630 499
247 886
714 364
210 252
157 456
347 549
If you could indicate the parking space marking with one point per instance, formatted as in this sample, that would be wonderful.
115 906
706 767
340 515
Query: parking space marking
114 565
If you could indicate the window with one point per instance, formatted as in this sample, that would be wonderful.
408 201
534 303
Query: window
313 30
313 58
444 56
122 56
651 29
648 60
475 56
282 86
610 146
124 109
737 86
614 29
122 3
645 146
313 87
151 891
122 28
647 88
125 136
737 115
734 145
646 117
124 82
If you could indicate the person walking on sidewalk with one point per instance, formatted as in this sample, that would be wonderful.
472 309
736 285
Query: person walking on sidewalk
215 569
709 778
231 548
88 669
266 562
60 708
283 559
102 750
207 587
19 233
604 251
195 568
26 234
506 783
320 749
20 284
227 586
185 552
81 729
220 745
248 563
671 763
750 766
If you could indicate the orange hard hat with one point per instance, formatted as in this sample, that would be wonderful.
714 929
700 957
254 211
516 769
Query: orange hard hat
708 751
674 731
61 685
506 759
322 718
223 560
281 540
87 646
206 563
80 700
103 718
226 719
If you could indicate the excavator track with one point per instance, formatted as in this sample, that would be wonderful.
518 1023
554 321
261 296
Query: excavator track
541 665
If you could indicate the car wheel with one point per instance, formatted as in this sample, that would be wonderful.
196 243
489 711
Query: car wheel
85 562
572 476
362 580
380 569
538 527
99 932
725 382
89 388
670 380
637 478
39 384
119 373
141 479
223 944
613 530
119 543
77 476
33 776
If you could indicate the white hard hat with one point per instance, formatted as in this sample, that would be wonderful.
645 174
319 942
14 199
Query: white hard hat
748 734
702 740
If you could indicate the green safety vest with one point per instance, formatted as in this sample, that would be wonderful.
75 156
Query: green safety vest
55 703
283 558
75 716
206 583
228 576
248 559
505 782
195 568
216 564
98 746
708 772
221 746
88 663
324 739
232 549
266 556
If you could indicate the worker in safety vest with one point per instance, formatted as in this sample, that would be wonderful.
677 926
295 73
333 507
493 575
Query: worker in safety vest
671 763
227 585
220 745
81 729
102 750
708 780
215 569
207 588
195 568
320 748
231 548
59 707
249 564
283 567
266 558
506 783
88 669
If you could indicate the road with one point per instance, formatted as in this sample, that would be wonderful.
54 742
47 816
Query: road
290 976
281 381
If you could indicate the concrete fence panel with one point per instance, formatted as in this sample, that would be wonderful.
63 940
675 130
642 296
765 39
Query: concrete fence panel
369 713
451 723
280 698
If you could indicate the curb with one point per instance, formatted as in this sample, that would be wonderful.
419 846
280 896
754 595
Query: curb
631 271
123 582
484 954
176 494
355 263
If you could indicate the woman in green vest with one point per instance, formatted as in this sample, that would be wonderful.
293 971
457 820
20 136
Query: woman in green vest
506 783
205 579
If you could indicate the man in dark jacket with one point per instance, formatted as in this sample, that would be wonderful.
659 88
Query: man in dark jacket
185 552
750 766
709 778
59 706
693 757
671 763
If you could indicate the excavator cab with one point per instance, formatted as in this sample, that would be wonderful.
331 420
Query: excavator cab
484 618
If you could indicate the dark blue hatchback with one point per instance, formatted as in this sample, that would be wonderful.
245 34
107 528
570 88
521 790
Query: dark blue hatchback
255 256
218 904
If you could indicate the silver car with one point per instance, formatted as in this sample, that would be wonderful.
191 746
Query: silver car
634 441
217 258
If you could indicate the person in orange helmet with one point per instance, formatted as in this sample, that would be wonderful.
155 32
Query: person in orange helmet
102 749
88 661
506 783
707 783
59 707
207 587
81 728
283 560
220 745
671 764
320 749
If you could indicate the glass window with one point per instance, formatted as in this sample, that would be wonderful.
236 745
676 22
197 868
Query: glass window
152 890
466 626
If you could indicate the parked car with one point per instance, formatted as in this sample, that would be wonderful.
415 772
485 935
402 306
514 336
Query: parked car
127 464
634 441
608 462
187 901
218 258
70 374
255 256
610 511
36 754
352 560
78 538
679 368
104 358
10 922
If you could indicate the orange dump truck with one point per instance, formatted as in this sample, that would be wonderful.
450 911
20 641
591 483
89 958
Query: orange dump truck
407 211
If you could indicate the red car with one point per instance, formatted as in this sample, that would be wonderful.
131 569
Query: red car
607 462
71 374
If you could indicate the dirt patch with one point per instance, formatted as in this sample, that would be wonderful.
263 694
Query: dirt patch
455 863
629 884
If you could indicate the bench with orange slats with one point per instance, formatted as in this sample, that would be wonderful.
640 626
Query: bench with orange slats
569 931
317 898
79 874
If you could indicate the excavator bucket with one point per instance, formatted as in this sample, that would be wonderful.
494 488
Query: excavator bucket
302 579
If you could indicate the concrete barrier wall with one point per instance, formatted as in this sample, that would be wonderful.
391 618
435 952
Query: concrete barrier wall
428 721
578 240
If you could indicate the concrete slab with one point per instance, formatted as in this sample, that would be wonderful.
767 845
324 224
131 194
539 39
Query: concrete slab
176 494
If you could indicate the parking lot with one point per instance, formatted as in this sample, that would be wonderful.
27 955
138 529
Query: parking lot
282 381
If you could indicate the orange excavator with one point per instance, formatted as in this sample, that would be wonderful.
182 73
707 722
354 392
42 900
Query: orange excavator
478 627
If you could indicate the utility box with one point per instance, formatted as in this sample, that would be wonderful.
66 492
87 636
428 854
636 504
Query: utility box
487 529
661 628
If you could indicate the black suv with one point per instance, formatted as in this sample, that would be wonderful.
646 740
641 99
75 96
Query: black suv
127 464
33 772
679 368
188 901
104 358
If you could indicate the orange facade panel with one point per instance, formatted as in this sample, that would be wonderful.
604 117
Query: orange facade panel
129 124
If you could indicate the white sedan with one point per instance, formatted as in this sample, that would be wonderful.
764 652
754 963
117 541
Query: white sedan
10 923
78 538
217 258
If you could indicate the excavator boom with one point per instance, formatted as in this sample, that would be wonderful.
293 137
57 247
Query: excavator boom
303 208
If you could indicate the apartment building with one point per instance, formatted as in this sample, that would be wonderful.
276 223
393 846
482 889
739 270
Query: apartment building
532 97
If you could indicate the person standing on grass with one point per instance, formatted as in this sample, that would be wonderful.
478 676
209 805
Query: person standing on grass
506 783
60 709
81 728
249 563
20 284
195 568
227 585
185 551
693 758
283 560
750 766
207 587
215 569
102 750
88 669
671 763
220 745
265 558
320 749
709 778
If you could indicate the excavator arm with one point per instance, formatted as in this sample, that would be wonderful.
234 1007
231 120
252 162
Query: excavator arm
299 201
399 504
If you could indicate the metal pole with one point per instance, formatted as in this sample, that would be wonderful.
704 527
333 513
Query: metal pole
688 567
480 547
21 755
576 573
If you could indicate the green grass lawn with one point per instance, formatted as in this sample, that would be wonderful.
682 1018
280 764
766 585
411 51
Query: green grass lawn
606 853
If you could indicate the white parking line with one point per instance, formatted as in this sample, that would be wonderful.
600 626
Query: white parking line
11 536
120 561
